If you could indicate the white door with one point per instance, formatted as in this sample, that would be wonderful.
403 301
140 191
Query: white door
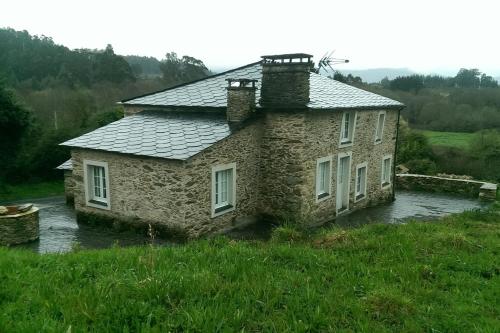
343 181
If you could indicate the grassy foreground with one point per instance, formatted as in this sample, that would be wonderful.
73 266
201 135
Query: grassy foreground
419 277
31 190
449 139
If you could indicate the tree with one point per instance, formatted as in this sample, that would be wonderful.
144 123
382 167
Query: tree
468 78
408 83
488 82
176 71
15 121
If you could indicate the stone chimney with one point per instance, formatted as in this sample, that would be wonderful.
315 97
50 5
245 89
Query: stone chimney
285 80
240 99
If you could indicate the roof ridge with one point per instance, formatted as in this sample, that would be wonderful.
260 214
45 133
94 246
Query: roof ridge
124 101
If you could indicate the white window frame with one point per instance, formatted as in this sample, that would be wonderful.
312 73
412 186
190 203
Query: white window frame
88 179
380 136
323 195
350 139
382 183
337 208
356 193
217 211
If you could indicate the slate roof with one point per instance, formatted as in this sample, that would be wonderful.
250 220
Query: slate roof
68 165
325 93
176 136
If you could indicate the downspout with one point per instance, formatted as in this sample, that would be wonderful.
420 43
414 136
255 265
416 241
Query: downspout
395 156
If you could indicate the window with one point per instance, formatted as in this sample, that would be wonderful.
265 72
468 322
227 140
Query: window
223 189
97 184
323 178
360 181
347 128
380 127
386 171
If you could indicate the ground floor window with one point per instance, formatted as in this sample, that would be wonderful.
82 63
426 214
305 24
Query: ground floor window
223 188
323 178
361 171
96 184
386 171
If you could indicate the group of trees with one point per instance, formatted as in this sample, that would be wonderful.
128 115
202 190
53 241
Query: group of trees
465 78
50 93
468 102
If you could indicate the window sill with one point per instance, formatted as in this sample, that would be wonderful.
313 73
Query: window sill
322 196
359 197
386 184
98 204
345 144
222 210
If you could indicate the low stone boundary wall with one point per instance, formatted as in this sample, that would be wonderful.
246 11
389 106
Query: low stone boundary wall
473 188
19 228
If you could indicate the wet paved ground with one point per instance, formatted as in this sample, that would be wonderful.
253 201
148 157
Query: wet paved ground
59 230
411 205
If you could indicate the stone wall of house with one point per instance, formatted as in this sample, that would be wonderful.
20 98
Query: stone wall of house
175 195
141 190
19 228
323 138
69 186
282 166
242 148
275 156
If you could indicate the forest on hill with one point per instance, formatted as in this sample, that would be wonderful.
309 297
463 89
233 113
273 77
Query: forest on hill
49 93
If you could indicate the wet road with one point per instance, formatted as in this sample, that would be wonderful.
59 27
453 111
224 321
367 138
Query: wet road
59 231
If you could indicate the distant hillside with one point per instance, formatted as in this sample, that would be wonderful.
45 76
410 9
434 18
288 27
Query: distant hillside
373 75
144 66
38 61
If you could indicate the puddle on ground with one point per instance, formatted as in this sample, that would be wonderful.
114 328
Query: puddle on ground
59 231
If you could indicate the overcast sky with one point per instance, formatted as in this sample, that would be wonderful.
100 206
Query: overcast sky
426 36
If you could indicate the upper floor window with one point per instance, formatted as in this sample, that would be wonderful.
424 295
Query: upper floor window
380 127
386 170
347 128
323 178
96 184
223 189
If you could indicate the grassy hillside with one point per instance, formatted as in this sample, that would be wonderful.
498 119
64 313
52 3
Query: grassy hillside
433 277
31 190
449 139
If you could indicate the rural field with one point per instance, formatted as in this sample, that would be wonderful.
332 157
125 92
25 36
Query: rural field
449 139
441 276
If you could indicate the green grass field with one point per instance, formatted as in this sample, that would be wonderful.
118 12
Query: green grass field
31 190
419 277
449 139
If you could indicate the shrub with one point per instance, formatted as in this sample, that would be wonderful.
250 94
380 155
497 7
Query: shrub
422 166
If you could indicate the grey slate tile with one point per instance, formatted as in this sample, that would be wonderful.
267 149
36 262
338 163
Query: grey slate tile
325 93
185 135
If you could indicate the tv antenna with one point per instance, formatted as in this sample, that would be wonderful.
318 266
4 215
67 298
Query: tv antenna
327 61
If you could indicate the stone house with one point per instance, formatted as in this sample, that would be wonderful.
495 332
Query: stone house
271 138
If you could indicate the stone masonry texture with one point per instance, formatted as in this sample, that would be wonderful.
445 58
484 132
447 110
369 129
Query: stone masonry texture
275 155
240 103
20 228
285 85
